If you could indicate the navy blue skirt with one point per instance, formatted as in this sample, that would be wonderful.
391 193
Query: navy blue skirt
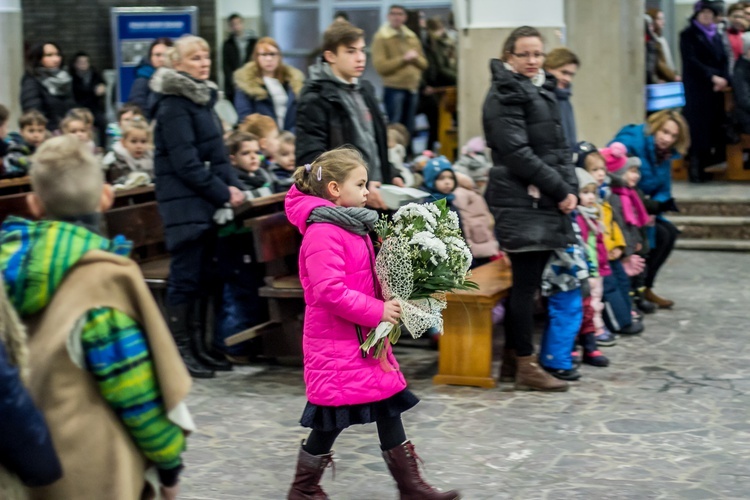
330 418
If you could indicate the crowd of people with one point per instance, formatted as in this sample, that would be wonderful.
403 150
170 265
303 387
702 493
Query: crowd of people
582 226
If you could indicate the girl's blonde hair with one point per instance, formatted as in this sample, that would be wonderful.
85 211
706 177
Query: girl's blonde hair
657 121
137 123
331 166
83 114
183 47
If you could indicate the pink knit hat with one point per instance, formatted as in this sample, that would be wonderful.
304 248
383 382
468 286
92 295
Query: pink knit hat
475 145
615 155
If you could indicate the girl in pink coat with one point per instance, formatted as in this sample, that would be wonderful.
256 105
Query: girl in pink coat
346 386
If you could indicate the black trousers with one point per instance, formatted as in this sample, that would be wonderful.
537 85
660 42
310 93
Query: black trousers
191 275
519 317
666 236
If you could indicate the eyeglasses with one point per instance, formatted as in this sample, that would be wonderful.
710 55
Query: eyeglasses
528 55
268 54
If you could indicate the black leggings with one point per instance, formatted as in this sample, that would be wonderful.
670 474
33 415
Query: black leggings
527 278
666 235
390 432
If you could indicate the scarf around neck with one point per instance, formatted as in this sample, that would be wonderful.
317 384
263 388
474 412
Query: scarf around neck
709 31
355 220
634 212
58 82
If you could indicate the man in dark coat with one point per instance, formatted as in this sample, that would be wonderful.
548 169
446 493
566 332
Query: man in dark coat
236 51
705 76
336 108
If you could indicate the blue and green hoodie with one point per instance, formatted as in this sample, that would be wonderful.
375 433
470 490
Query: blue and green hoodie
35 257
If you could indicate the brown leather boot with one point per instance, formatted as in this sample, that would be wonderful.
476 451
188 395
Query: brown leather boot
659 301
508 365
531 377
310 468
402 462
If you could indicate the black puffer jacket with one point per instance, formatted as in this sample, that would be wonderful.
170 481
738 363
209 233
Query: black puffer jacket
523 128
191 165
34 95
323 122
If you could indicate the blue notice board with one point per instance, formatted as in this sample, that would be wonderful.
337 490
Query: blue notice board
664 96
133 30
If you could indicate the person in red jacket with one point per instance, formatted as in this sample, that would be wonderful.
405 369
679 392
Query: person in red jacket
344 385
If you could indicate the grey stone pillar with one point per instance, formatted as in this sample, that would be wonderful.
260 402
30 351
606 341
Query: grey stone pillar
609 89
11 58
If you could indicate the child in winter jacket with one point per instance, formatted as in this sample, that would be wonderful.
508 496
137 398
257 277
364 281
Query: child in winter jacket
103 366
590 222
630 215
131 162
440 180
397 155
282 170
4 117
21 145
241 305
477 221
564 284
265 129
344 385
474 162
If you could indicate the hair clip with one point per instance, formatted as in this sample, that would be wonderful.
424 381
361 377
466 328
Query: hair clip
320 173
308 167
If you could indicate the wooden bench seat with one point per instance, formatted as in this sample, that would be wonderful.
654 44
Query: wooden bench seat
465 355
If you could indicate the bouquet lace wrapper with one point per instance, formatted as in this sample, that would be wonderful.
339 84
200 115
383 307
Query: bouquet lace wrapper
423 256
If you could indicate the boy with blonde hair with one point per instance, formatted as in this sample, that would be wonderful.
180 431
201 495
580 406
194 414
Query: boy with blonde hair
104 369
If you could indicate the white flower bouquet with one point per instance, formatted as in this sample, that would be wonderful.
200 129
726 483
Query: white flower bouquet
423 256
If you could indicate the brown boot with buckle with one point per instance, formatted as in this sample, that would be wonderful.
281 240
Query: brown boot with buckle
662 303
508 365
403 463
310 469
531 377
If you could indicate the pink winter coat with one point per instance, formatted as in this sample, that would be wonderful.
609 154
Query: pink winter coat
337 271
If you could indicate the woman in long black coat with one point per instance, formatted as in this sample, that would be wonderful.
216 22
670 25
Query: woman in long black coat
531 189
705 76
46 86
193 179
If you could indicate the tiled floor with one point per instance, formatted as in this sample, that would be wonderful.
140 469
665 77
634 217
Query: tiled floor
669 419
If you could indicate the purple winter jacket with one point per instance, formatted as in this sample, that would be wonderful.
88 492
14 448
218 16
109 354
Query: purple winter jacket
337 272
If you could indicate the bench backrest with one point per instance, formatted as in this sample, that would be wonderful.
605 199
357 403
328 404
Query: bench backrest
140 224
274 236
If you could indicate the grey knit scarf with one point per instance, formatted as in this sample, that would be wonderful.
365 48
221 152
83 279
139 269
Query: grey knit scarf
58 82
355 220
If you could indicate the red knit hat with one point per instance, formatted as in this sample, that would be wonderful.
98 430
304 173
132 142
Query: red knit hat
615 155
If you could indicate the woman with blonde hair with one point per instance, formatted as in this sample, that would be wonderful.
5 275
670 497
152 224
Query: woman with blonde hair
267 86
663 138
193 179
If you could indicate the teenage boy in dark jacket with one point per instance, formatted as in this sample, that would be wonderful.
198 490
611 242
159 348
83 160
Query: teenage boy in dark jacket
337 108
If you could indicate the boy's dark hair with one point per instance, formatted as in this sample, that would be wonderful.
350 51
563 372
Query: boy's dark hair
127 108
32 117
36 53
341 33
342 14
235 140
233 16
397 6
4 115
521 32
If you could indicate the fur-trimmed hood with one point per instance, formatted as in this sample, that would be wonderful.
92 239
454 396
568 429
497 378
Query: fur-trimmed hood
250 81
167 81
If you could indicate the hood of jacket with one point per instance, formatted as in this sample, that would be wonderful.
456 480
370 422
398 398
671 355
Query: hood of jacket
35 257
298 207
514 88
137 164
167 81
250 80
386 31
322 75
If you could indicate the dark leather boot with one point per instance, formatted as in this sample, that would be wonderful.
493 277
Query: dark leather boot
661 302
531 377
402 462
198 341
508 365
180 320
310 469
695 171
